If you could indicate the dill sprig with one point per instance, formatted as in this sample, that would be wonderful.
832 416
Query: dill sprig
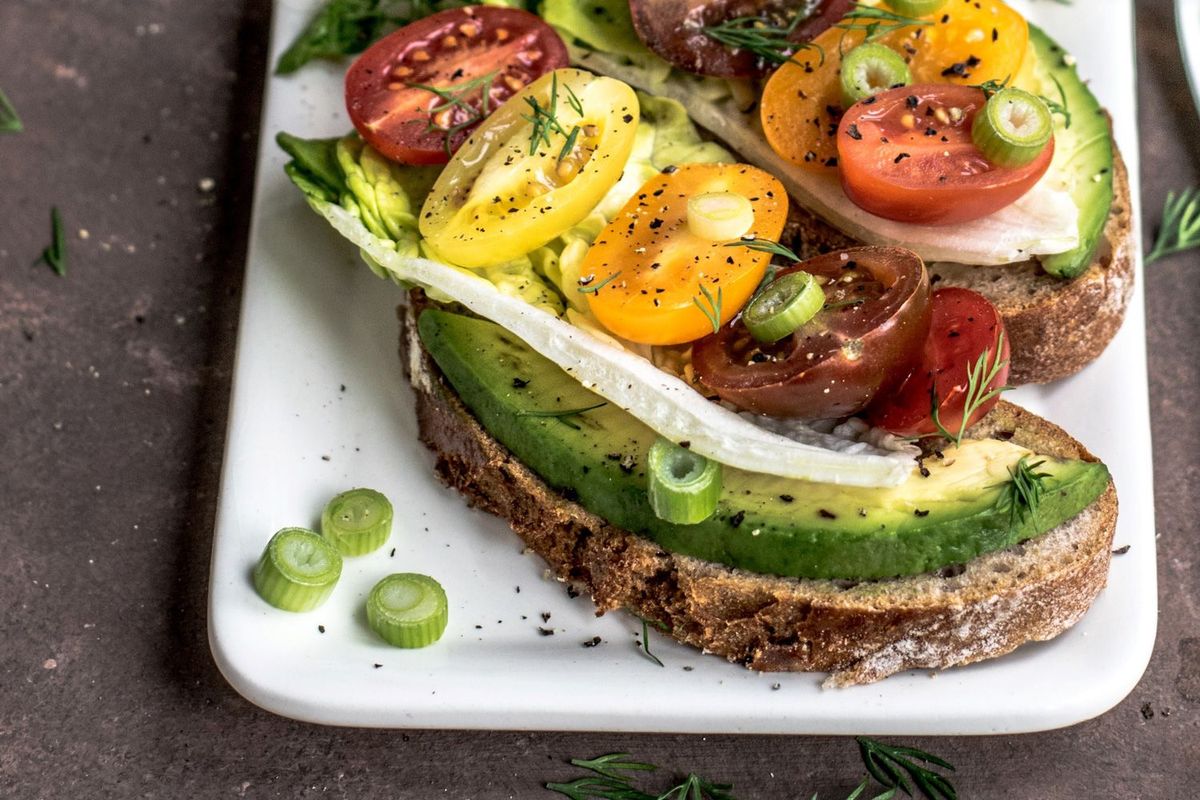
768 42
458 96
765 246
713 311
1022 493
980 376
545 120
875 22
612 765
644 645
55 255
1060 106
894 766
586 285
990 87
1180 228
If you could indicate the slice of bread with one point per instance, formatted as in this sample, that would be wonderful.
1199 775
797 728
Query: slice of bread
1056 327
858 632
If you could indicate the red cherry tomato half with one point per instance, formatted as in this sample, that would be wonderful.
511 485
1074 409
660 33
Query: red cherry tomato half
906 154
865 340
964 327
477 57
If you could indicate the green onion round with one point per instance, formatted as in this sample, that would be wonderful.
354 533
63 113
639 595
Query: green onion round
357 521
298 570
408 610
783 306
916 8
1013 128
684 486
871 68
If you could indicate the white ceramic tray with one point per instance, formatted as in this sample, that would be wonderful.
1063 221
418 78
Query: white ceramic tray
319 404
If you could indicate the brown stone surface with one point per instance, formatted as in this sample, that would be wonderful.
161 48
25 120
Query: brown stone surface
114 385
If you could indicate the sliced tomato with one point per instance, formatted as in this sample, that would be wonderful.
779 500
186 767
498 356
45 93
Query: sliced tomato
964 327
865 341
906 154
475 57
674 29
501 197
647 273
963 43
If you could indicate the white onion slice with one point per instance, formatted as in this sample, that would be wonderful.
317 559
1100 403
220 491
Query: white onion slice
664 403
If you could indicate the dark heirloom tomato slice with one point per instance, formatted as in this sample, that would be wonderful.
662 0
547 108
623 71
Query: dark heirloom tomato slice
463 52
865 340
674 30
964 326
906 154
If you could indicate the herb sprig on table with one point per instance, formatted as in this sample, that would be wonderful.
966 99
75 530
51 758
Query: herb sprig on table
896 769
9 121
55 255
1180 228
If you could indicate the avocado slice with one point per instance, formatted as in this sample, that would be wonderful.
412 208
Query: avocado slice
1083 152
595 454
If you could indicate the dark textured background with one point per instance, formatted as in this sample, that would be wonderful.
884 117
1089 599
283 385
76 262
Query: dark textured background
114 386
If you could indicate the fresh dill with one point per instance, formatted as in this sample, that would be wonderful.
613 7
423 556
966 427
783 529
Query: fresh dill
897 769
545 120
644 646
894 766
1021 495
458 96
767 42
588 286
563 415
1060 106
765 246
9 121
980 377
55 255
875 22
713 310
990 87
1180 229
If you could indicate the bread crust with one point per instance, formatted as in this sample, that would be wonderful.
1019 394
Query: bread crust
1056 327
859 633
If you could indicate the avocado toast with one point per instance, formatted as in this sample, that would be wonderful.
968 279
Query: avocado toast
594 312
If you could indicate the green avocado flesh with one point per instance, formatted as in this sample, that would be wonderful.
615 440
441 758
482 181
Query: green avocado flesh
1087 147
763 523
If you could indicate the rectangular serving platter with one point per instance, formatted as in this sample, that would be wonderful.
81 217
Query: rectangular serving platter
320 404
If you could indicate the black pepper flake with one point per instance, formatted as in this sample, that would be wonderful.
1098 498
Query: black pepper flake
870 100
831 162
685 444
995 34
921 513
546 631
931 132
628 118
826 514
592 642
1120 551
627 464
377 666
520 383
321 628
852 132
572 592
393 553
912 101
900 158
787 498
670 169
655 224
737 519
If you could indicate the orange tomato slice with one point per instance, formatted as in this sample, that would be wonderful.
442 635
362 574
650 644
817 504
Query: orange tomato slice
644 274
965 43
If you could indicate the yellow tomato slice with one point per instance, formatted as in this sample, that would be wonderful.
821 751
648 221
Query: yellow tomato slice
965 42
644 274
496 201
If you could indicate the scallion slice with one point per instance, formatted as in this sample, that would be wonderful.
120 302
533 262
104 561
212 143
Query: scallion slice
1012 128
298 570
916 8
871 68
684 486
357 521
719 216
783 306
408 610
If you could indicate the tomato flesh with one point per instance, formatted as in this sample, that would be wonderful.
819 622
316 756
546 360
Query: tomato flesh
964 326
863 342
906 154
660 265
478 56
964 43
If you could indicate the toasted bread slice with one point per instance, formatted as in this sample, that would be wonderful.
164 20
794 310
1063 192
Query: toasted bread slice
1056 327
858 632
